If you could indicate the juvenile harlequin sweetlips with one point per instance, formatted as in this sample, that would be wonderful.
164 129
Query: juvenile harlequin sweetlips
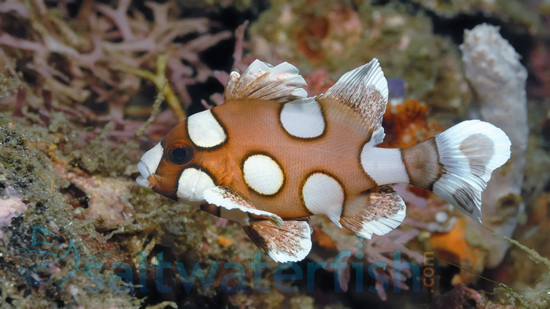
270 157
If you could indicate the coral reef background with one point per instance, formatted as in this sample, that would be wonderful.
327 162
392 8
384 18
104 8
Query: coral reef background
87 86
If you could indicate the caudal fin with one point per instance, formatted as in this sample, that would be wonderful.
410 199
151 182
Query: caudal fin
468 153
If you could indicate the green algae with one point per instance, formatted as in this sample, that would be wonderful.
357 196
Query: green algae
8 83
29 171
44 166
538 296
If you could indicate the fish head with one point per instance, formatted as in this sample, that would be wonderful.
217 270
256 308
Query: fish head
172 167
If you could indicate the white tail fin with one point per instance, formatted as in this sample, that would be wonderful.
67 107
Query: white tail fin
468 154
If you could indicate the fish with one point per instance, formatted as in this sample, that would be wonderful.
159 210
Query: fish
270 157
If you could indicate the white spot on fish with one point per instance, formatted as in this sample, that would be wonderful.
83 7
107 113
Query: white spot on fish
263 174
383 165
192 183
323 194
303 118
204 130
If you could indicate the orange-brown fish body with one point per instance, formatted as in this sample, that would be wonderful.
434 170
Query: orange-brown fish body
270 157
335 152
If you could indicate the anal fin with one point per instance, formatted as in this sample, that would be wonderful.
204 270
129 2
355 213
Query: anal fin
377 211
288 243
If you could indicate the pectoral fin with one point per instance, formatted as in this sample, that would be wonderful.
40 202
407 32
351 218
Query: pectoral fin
232 206
288 243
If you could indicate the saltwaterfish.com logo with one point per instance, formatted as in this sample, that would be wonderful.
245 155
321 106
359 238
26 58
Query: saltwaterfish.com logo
54 249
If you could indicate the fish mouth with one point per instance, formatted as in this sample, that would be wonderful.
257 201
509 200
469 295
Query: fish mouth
145 174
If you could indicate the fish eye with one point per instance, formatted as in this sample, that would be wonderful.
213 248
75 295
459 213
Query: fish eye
181 155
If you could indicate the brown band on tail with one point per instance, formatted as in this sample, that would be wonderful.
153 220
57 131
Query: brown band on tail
422 163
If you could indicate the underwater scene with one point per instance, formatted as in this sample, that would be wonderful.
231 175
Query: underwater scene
268 154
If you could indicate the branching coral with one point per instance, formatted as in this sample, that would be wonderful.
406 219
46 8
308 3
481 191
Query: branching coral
389 252
74 73
92 58
384 248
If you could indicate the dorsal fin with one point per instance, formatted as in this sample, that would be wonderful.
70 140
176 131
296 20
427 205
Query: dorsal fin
365 91
261 80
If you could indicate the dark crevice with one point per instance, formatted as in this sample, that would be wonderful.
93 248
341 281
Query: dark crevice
79 197
203 91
